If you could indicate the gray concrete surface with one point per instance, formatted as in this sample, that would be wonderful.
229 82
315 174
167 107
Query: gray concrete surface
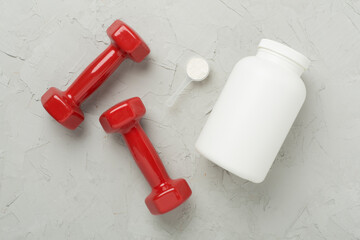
83 184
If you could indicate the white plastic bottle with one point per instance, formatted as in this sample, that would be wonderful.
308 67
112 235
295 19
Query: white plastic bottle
255 111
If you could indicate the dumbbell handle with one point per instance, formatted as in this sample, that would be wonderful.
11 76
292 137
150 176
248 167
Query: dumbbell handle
146 156
95 74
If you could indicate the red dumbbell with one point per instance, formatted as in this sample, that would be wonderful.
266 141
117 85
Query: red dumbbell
65 106
166 193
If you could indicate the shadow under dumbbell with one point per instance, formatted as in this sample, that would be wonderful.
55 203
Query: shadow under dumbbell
59 130
178 219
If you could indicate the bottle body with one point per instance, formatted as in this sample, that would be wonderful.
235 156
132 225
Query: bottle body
253 116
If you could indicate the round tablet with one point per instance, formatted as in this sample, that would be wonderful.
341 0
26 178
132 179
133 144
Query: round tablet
197 69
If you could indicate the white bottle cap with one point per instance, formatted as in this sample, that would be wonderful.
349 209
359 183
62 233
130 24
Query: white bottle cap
285 51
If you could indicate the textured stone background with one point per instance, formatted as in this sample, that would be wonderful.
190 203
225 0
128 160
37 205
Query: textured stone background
83 184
